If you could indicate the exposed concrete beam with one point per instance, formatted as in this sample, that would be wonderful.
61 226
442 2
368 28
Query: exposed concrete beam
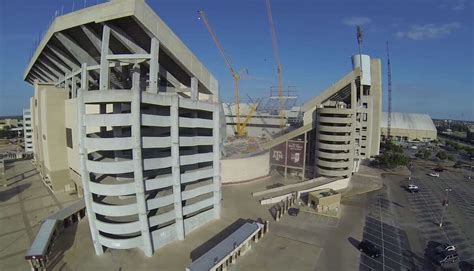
104 63
48 77
170 78
50 68
93 38
38 75
80 54
58 64
64 57
194 88
154 64
121 36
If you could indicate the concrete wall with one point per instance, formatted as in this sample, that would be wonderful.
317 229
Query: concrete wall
53 136
376 93
245 169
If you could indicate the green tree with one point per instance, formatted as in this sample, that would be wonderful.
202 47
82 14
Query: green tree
442 155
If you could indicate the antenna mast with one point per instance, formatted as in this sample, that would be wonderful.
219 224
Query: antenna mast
389 89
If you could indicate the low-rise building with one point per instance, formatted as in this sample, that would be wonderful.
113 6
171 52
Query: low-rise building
27 131
409 127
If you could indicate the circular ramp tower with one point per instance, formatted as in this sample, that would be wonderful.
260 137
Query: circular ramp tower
334 139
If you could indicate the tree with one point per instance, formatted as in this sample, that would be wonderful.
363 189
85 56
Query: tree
442 155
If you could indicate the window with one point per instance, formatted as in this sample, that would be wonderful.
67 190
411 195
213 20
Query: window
69 138
364 117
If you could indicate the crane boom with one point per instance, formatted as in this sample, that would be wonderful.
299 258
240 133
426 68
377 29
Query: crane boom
277 59
389 89
235 75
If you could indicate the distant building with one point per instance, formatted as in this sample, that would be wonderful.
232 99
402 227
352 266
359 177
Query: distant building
409 127
9 123
27 131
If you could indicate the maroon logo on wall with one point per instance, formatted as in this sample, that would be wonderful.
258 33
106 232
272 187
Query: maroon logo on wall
295 153
278 155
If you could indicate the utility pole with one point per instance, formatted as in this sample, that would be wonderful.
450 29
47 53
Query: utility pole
445 205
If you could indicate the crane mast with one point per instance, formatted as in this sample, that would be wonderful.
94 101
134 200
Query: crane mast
389 89
277 59
235 76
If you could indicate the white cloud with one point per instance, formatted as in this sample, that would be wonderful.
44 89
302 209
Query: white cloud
356 20
428 31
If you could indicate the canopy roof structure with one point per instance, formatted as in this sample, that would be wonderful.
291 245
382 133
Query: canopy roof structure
75 38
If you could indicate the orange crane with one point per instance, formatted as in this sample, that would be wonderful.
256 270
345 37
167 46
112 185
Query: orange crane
241 126
279 67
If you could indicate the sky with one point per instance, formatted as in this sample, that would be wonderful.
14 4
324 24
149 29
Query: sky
431 46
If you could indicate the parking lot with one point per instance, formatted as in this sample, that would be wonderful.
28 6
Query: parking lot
457 217
405 226
381 228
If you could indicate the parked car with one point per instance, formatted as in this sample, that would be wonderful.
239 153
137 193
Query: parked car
369 249
293 211
434 174
413 188
444 248
447 257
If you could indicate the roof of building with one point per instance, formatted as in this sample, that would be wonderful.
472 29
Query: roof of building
411 121
41 241
221 250
68 211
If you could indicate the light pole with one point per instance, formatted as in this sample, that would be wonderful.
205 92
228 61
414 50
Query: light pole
445 205
470 172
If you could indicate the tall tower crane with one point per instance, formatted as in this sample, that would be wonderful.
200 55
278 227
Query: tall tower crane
389 89
240 127
277 59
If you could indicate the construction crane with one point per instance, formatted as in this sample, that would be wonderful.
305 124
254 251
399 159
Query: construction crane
279 67
389 89
240 127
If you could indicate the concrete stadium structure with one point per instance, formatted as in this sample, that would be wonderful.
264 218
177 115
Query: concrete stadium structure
123 111
27 131
341 126
409 127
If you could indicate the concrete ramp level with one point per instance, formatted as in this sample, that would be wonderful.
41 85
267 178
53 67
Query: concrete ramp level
323 145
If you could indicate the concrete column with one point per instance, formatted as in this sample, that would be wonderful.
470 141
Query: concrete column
154 65
85 177
138 162
104 63
73 87
175 167
194 88
216 150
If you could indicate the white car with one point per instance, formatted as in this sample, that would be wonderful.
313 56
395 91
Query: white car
434 174
445 247
413 188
